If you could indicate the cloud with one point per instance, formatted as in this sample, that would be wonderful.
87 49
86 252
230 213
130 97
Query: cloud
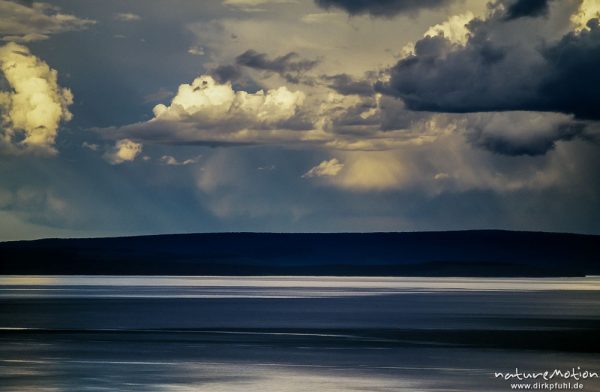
527 8
34 104
382 8
366 171
451 165
290 66
328 168
253 5
214 114
588 9
570 85
342 111
170 160
454 29
219 105
90 146
21 22
196 51
347 85
319 18
521 133
206 111
226 73
498 71
125 150
127 17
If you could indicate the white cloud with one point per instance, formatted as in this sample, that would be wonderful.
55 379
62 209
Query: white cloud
212 104
454 29
330 168
196 51
125 150
35 104
170 160
127 17
25 23
209 112
90 146
266 168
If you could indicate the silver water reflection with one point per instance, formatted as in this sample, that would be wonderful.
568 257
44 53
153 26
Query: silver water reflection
277 286
290 333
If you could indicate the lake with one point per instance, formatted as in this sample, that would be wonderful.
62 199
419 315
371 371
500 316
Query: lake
123 333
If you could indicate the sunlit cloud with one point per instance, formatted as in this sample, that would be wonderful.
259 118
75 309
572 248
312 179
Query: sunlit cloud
90 146
125 150
34 105
127 17
218 104
170 160
328 168
207 111
588 9
454 29
196 51
22 22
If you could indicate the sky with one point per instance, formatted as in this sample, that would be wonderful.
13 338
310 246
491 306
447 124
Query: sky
123 117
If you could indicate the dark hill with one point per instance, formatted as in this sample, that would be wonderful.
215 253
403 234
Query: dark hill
460 253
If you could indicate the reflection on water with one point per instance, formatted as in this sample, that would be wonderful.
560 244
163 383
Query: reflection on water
291 334
293 283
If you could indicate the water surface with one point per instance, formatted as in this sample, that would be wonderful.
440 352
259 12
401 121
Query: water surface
81 333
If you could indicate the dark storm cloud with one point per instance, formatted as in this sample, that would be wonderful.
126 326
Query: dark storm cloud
503 146
527 8
381 8
488 74
522 133
290 66
226 73
290 62
572 82
347 85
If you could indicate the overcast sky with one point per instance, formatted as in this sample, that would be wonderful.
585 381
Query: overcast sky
123 117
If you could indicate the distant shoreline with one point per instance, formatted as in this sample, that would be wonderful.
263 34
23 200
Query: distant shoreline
485 253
